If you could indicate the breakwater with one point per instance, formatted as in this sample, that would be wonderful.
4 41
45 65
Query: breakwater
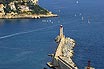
62 58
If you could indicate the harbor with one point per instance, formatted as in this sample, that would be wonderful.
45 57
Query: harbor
26 43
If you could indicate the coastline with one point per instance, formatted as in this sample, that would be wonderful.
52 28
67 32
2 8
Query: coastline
23 9
23 16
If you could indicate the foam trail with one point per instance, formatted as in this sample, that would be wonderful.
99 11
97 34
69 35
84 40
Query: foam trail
11 35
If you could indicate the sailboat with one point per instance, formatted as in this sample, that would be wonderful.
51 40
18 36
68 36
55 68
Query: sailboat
82 18
88 21
75 15
77 1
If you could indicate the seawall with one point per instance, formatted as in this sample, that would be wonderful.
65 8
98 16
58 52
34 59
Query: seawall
62 58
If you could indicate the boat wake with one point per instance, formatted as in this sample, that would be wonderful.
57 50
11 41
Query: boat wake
20 33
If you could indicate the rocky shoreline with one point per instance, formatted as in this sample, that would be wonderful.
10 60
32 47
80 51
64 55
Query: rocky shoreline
22 16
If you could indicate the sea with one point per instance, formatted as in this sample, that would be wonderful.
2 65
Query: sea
26 43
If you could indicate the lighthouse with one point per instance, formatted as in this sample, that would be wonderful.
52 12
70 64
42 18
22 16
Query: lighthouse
89 67
61 31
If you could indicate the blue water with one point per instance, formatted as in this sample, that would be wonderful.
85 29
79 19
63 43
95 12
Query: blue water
25 43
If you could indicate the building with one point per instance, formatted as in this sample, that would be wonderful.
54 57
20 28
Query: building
2 10
12 6
34 1
24 8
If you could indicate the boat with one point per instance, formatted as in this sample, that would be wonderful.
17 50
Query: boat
89 67
77 2
82 18
88 21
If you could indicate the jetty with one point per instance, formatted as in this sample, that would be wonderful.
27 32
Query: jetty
62 58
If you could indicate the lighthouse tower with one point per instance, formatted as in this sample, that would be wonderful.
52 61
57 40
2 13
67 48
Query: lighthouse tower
61 31
89 67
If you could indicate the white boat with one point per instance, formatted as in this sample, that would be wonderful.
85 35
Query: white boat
75 15
88 21
82 18
77 2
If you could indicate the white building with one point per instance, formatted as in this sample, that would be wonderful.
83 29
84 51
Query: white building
2 9
34 1
24 8
12 6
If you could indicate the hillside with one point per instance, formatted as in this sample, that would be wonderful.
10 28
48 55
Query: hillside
18 6
13 8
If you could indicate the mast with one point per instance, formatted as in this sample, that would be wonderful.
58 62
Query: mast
88 67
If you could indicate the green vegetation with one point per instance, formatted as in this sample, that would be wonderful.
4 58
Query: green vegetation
6 1
38 10
7 9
